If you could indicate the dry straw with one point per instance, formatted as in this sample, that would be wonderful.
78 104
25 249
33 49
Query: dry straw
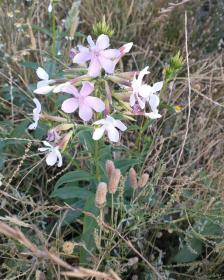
114 180
101 194
133 178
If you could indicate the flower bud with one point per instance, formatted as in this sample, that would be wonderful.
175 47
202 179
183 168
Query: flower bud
143 180
109 165
101 194
114 180
133 178
64 141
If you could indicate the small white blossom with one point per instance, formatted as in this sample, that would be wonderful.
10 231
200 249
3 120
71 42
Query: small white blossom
53 154
50 7
43 86
36 114
110 126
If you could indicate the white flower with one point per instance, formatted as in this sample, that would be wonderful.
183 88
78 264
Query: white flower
43 86
154 103
149 93
111 126
36 114
53 154
137 88
50 7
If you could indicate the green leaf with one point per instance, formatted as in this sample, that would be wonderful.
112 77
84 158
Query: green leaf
41 29
189 252
73 176
68 192
124 164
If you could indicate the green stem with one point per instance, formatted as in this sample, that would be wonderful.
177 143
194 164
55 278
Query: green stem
53 48
112 209
96 157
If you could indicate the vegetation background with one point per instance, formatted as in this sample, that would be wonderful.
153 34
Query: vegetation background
174 228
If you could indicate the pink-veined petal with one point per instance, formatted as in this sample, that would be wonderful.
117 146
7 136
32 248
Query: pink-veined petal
120 125
81 48
82 57
98 133
86 89
126 48
51 158
70 105
70 89
95 103
42 74
44 90
111 53
85 112
94 67
113 134
107 64
102 42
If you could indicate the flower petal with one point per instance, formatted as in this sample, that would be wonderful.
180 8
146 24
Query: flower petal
157 86
33 126
102 121
95 103
70 89
38 105
70 105
59 88
102 42
85 112
153 115
94 67
107 64
42 83
82 57
120 125
51 158
86 89
59 156
142 73
113 134
42 74
126 48
132 100
98 133
111 53
90 41
43 149
154 102
44 90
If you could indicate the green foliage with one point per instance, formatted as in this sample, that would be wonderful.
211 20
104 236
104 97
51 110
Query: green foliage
102 27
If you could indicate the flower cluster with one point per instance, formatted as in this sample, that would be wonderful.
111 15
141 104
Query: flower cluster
92 97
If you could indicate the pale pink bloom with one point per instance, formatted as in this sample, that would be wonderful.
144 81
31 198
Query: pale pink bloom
53 135
36 114
110 126
53 154
98 54
83 101
137 88
43 86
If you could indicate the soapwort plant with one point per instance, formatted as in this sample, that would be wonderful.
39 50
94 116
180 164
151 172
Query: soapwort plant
94 100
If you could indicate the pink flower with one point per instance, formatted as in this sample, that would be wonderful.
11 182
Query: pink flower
83 101
98 55
111 126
